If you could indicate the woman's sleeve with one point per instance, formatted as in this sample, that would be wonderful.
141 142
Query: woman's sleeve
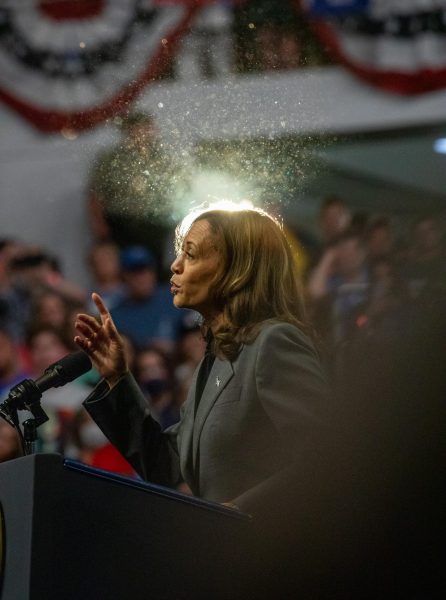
123 414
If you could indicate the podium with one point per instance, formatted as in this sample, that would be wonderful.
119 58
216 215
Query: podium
72 532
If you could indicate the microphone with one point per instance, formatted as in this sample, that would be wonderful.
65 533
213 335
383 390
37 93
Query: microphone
67 369
28 392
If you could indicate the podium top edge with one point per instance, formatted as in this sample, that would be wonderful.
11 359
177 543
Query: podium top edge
154 489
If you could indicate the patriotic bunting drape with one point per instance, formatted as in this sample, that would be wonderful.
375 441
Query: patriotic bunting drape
74 63
398 45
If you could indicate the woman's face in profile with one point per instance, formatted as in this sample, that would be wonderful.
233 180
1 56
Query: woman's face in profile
195 269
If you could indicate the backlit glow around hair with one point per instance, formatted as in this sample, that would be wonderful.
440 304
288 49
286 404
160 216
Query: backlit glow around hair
227 205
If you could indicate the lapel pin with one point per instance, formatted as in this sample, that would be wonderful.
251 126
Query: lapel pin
217 381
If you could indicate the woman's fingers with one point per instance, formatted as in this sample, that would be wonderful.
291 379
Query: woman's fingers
83 322
100 339
89 320
111 330
87 331
93 341
87 346
103 311
81 342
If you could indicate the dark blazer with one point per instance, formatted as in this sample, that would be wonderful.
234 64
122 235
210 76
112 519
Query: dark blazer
255 418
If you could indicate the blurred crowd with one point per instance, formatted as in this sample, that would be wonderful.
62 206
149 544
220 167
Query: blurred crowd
372 279
38 307
368 281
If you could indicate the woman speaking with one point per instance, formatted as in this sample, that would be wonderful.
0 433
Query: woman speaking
257 399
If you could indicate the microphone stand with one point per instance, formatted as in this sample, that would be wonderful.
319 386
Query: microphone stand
25 396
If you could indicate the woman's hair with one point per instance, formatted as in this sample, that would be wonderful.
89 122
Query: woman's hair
258 279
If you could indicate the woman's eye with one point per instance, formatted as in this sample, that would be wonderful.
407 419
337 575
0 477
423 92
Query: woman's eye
187 253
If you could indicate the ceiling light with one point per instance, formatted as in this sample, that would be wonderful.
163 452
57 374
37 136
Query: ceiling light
440 146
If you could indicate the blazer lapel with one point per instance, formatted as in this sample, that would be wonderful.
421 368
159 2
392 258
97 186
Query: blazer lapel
220 375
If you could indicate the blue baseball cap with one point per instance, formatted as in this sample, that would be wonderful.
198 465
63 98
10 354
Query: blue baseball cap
134 258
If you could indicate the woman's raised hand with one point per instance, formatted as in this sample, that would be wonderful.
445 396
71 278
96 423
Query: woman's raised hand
102 342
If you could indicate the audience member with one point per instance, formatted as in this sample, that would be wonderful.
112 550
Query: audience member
11 364
87 444
146 313
338 289
34 269
387 297
379 239
47 345
14 300
383 317
105 268
154 373
49 308
426 256
334 218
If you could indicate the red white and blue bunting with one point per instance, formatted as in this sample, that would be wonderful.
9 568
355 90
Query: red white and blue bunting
75 63
398 45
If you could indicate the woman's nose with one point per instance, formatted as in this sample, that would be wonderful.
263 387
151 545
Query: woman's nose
175 267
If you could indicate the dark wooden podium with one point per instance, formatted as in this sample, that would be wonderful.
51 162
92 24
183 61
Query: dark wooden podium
75 533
